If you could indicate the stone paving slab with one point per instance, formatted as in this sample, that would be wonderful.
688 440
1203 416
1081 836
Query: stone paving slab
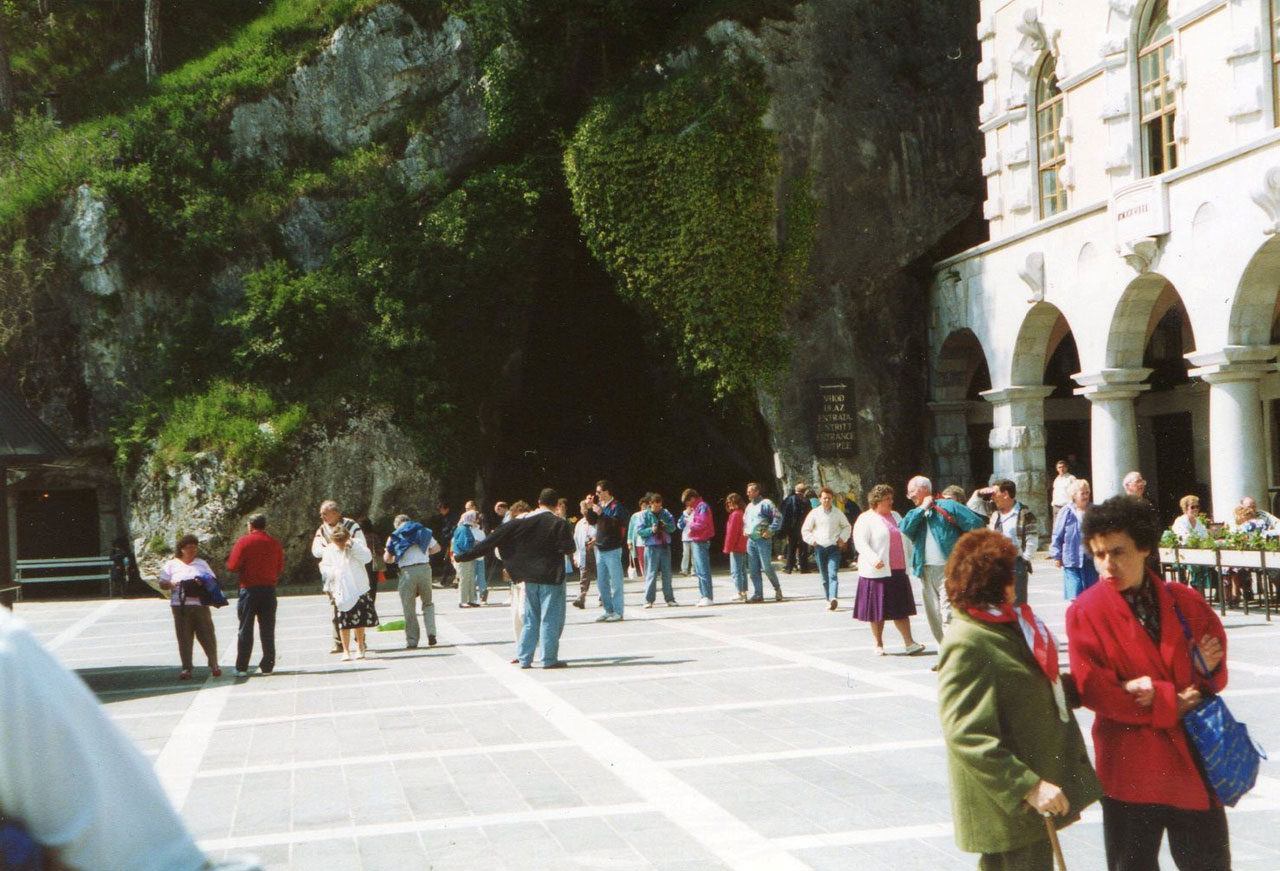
731 736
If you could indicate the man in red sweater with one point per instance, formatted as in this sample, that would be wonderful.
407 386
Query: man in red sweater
259 559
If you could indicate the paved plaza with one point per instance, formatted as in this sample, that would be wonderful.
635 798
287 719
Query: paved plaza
736 736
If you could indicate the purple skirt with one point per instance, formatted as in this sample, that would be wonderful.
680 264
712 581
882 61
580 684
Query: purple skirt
882 599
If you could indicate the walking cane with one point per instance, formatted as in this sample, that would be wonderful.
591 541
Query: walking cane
1053 839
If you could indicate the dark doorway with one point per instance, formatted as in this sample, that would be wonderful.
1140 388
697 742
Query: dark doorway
55 524
981 462
1175 462
1065 439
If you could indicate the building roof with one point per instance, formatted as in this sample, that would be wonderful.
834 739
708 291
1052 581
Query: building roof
23 435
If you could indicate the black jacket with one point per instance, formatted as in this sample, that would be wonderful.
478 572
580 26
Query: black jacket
533 547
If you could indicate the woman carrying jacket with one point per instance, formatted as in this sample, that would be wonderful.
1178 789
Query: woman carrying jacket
184 575
1132 662
342 563
1014 750
884 592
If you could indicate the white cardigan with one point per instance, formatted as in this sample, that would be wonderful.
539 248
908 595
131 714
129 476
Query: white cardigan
871 538
343 572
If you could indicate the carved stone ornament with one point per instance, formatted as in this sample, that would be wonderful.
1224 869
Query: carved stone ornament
1139 253
1031 28
1124 7
1267 196
1032 272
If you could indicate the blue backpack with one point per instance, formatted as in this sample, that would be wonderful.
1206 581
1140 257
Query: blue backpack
464 540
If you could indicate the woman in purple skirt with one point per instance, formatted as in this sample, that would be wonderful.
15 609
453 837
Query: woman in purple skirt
884 592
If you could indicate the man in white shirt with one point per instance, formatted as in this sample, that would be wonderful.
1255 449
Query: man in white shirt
71 778
330 519
1061 497
826 529
410 547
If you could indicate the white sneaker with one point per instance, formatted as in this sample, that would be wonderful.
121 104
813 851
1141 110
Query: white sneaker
648 604
603 618
915 648
703 602
346 657
613 618
242 674
360 654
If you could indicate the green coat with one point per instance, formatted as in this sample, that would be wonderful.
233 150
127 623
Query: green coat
1003 735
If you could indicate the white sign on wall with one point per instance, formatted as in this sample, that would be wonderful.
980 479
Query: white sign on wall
1140 210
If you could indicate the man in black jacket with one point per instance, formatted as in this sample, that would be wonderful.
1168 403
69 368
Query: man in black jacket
533 549
795 508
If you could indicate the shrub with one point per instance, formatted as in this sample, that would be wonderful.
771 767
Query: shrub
242 424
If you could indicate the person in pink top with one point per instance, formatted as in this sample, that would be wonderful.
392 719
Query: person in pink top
884 591
699 527
735 544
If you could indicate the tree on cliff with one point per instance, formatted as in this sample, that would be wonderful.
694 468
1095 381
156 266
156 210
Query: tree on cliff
155 57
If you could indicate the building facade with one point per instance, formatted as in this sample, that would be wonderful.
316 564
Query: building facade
1124 312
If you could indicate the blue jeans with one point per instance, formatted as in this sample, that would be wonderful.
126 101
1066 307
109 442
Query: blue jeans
760 558
256 603
702 567
610 578
657 559
543 621
738 568
1076 580
828 565
482 579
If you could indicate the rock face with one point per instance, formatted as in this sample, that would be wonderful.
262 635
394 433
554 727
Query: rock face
376 71
368 468
875 109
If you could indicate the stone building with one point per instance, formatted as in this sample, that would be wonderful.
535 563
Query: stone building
1125 308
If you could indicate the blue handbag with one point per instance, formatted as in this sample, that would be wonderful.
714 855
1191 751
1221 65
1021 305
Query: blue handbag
1230 757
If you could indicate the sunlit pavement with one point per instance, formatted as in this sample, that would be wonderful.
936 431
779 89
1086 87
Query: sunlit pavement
740 736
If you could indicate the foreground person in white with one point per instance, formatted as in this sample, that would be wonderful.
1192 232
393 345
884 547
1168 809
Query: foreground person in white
71 777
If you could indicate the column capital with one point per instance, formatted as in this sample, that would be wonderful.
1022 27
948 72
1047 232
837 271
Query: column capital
1108 384
1233 363
1010 395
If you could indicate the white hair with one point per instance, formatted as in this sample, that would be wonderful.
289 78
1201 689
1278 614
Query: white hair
918 483
1076 485
1130 477
402 519
329 505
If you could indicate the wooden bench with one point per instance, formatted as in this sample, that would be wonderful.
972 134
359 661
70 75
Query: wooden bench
65 570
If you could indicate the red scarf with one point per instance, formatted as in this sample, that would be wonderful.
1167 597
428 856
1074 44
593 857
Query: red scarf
1041 641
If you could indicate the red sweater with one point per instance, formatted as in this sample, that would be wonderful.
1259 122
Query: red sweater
1142 753
259 559
734 539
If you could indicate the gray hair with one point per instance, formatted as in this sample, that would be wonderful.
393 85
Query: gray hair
918 483
329 505
402 519
1076 485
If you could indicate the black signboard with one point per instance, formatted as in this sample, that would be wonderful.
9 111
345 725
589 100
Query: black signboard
834 430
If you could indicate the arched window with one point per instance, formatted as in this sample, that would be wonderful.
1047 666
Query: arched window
1155 91
1051 154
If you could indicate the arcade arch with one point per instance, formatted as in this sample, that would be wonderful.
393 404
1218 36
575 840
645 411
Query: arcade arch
961 419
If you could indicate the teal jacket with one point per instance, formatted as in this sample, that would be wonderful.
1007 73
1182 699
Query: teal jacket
913 526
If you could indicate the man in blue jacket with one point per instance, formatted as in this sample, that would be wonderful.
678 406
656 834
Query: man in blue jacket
934 526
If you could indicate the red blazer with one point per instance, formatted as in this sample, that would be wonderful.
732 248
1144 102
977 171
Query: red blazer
735 541
1142 754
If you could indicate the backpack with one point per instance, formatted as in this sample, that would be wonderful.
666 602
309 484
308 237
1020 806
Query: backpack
464 540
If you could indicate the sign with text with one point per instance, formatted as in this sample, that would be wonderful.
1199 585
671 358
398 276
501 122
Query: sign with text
834 428
1140 210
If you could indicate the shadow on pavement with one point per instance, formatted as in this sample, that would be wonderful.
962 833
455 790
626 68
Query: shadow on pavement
621 661
121 683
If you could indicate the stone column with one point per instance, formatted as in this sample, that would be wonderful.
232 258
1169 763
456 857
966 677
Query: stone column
950 444
1018 443
1113 426
1237 451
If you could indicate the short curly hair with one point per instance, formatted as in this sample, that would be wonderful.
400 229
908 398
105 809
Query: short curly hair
980 569
879 493
1127 514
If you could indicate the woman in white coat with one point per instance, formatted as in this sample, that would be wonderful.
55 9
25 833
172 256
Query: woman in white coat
345 580
884 591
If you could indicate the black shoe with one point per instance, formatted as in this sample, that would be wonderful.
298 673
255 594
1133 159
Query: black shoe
266 669
579 603
755 600
431 641
559 663
337 648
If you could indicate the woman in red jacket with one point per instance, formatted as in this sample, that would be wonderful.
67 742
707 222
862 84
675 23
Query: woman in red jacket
1132 664
735 544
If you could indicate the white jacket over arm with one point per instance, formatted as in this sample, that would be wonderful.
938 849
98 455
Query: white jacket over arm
344 574
871 538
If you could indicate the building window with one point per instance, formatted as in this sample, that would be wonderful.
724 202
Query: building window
1050 151
1275 61
1155 52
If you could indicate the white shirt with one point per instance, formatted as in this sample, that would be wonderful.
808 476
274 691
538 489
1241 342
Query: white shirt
343 572
822 528
1061 484
71 776
933 555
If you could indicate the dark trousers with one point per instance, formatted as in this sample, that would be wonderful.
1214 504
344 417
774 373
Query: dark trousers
1198 840
587 573
797 553
192 622
1033 857
256 603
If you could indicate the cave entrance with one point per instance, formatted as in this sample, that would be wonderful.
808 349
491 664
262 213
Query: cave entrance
55 524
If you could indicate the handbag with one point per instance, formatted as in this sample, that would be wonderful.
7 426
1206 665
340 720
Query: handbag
1230 758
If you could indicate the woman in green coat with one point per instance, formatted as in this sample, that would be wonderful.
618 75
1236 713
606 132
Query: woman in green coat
1014 750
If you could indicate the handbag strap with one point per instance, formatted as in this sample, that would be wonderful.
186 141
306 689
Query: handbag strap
1197 658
